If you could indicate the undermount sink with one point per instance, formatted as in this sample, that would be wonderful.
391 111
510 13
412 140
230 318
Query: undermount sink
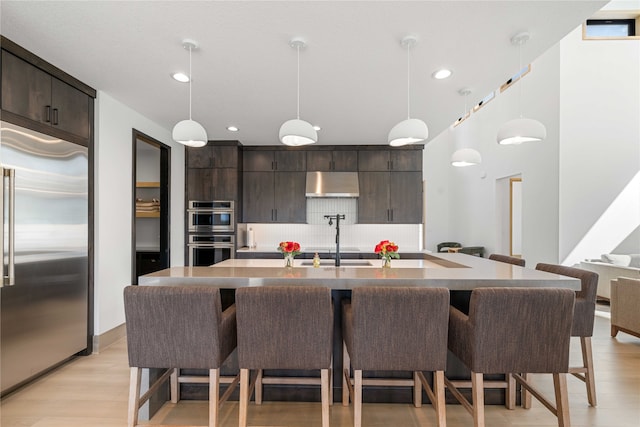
343 263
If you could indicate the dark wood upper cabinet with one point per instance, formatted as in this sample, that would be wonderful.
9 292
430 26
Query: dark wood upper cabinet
390 160
336 161
274 160
200 158
32 93
390 198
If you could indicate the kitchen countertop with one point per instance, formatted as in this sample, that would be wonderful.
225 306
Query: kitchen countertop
324 249
454 271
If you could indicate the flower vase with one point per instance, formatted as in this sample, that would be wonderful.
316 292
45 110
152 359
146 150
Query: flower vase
288 261
386 262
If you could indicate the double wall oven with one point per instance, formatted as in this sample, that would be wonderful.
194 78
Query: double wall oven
211 232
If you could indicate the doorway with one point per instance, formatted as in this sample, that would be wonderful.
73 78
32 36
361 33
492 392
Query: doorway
150 225
515 217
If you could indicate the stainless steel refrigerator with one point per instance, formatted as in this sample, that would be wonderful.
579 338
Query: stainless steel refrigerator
44 292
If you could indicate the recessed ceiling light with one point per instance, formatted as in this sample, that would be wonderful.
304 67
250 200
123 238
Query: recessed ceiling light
232 128
441 74
181 77
316 127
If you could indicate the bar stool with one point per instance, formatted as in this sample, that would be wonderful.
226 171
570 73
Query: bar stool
395 329
284 327
507 259
583 319
177 327
513 330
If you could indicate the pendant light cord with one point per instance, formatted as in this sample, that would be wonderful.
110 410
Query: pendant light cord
298 90
520 78
190 79
408 81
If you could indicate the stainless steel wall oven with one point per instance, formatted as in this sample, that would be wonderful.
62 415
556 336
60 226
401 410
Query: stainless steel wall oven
211 232
211 216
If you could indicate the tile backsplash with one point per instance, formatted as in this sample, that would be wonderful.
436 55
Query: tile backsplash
362 236
317 208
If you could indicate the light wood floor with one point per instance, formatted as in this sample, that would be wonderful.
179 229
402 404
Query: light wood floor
92 392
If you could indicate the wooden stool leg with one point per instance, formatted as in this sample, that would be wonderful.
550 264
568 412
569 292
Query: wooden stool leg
324 390
562 399
477 392
417 391
346 366
214 396
135 377
440 405
258 388
244 397
587 359
357 398
510 401
175 387
526 396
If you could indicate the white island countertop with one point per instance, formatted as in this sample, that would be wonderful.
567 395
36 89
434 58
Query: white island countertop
453 271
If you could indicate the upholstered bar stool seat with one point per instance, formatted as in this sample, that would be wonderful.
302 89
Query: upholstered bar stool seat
395 329
284 327
509 331
583 320
177 327
507 259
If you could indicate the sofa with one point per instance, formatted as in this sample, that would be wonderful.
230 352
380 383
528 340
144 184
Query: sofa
610 267
625 299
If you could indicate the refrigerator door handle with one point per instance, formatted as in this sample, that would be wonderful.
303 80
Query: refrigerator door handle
8 279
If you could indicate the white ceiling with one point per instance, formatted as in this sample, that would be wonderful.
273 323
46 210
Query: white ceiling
353 72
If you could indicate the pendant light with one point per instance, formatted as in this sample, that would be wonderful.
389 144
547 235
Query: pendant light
189 132
411 130
521 130
465 156
296 132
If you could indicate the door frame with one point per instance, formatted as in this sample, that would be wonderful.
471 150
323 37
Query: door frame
165 200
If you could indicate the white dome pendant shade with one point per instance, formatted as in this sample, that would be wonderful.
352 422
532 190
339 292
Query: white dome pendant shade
517 131
521 130
464 133
189 132
297 132
466 157
408 131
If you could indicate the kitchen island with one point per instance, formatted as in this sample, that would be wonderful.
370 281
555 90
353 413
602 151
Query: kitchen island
460 273
457 272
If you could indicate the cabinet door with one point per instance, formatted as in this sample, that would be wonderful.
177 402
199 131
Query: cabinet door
225 184
373 203
319 161
289 199
258 161
201 157
406 160
200 184
290 161
70 111
405 197
224 156
257 197
345 161
373 160
26 90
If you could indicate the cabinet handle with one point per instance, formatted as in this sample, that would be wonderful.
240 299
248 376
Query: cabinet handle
47 113
391 163
55 116
391 214
276 216
388 216
388 165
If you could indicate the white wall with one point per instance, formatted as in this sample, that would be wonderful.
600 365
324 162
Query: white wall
113 204
600 150
461 202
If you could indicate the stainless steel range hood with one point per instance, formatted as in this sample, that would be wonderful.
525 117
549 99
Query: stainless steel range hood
332 184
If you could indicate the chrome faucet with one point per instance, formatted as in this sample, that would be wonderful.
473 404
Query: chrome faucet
337 217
